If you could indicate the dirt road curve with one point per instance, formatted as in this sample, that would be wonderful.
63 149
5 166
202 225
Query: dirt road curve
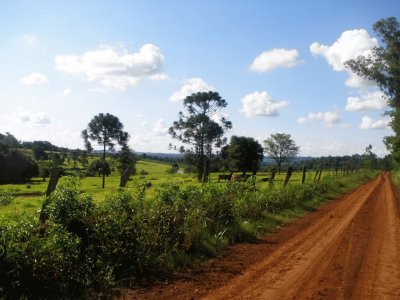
348 249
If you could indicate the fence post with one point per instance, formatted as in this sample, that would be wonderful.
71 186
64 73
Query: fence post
54 176
320 173
273 172
316 174
303 178
125 176
288 174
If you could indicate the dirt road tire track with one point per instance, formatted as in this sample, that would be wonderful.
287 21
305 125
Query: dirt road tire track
348 249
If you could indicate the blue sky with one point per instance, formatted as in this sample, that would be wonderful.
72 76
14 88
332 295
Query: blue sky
279 64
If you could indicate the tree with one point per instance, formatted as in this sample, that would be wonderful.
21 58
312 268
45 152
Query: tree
106 130
126 164
383 66
99 167
8 142
369 158
244 154
38 152
280 147
16 167
199 130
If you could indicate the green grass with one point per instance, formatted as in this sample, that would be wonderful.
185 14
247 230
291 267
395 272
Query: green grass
28 196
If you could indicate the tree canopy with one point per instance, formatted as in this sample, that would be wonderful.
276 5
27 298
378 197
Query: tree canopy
243 153
383 67
281 148
201 129
107 131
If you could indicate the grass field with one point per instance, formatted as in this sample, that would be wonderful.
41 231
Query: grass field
29 196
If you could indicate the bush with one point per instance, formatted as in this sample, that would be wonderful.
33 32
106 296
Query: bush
6 199
96 168
143 172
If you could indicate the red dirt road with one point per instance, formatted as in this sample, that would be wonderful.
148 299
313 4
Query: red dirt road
347 249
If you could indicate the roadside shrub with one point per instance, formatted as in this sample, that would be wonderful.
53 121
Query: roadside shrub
67 205
6 199
33 257
143 172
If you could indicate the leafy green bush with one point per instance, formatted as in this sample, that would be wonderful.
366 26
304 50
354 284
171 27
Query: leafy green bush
6 199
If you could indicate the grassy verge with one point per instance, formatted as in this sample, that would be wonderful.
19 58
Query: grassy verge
269 222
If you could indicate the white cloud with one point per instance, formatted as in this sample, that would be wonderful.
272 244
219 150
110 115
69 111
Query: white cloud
66 92
367 102
34 118
276 58
29 39
328 118
358 82
217 117
112 69
369 123
34 79
261 104
192 85
159 128
350 45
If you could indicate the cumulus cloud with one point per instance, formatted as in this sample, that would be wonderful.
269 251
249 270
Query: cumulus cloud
356 81
66 92
192 85
29 39
112 69
33 118
159 128
328 118
218 117
275 58
350 45
261 104
367 102
34 79
369 123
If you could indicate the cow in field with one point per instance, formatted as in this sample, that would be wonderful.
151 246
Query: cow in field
225 177
240 177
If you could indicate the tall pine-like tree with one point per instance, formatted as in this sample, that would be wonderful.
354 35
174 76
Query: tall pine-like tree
200 130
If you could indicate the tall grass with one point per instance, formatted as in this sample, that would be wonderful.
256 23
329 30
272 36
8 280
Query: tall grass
81 246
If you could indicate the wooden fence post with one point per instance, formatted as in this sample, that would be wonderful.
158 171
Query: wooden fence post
316 175
320 173
303 178
55 174
125 176
288 175
273 172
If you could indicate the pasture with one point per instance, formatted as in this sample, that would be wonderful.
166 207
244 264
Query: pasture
28 197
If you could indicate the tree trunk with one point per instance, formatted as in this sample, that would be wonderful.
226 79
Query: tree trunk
206 165
104 166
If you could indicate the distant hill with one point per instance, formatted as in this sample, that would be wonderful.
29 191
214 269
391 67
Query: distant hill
160 155
270 161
